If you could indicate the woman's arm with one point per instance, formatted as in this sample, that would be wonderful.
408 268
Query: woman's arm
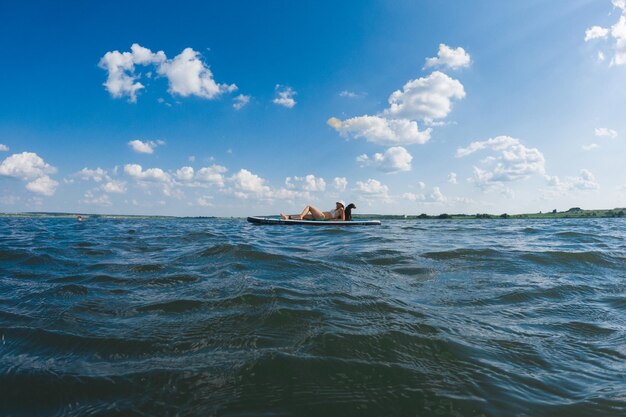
341 215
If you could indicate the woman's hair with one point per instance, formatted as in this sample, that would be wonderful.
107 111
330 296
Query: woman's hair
348 211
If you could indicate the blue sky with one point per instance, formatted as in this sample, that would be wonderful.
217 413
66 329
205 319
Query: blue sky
241 108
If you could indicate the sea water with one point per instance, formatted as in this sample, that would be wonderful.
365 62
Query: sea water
201 317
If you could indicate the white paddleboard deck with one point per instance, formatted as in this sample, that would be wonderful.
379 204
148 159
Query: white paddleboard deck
278 221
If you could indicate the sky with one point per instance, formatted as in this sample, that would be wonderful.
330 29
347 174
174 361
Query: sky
253 108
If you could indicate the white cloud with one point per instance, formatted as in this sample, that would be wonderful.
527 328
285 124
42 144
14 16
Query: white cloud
380 130
4 148
185 173
452 178
241 101
247 185
144 56
285 96
213 175
584 182
188 75
340 183
449 57
605 132
92 199
306 183
590 147
114 187
87 174
372 188
513 161
395 159
617 34
28 166
122 80
247 182
421 185
426 98
435 196
596 32
43 185
136 172
25 166
205 201
145 147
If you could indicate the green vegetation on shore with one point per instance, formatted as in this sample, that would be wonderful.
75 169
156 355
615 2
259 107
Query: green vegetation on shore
573 213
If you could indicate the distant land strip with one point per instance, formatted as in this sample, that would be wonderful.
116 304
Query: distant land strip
573 213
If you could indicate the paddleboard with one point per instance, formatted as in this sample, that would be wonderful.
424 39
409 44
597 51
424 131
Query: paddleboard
276 220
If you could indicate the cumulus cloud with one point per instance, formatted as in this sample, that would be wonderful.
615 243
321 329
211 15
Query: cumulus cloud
28 166
306 183
394 159
512 161
452 58
211 175
43 185
380 130
340 183
25 166
596 32
246 183
241 101
114 187
187 74
426 99
605 132
435 196
205 201
4 148
185 173
96 175
616 33
372 188
284 96
584 182
122 80
145 147
452 178
136 172
92 199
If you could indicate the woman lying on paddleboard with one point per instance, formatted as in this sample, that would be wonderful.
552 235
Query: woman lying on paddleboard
313 213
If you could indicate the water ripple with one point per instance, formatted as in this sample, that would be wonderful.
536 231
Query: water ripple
220 317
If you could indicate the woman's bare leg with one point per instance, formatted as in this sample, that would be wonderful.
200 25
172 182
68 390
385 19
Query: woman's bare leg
315 213
309 213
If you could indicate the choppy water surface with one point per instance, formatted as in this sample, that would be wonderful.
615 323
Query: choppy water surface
220 317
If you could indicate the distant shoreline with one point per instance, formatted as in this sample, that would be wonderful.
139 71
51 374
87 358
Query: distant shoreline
572 213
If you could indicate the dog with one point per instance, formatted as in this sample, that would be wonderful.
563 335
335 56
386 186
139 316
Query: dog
348 211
